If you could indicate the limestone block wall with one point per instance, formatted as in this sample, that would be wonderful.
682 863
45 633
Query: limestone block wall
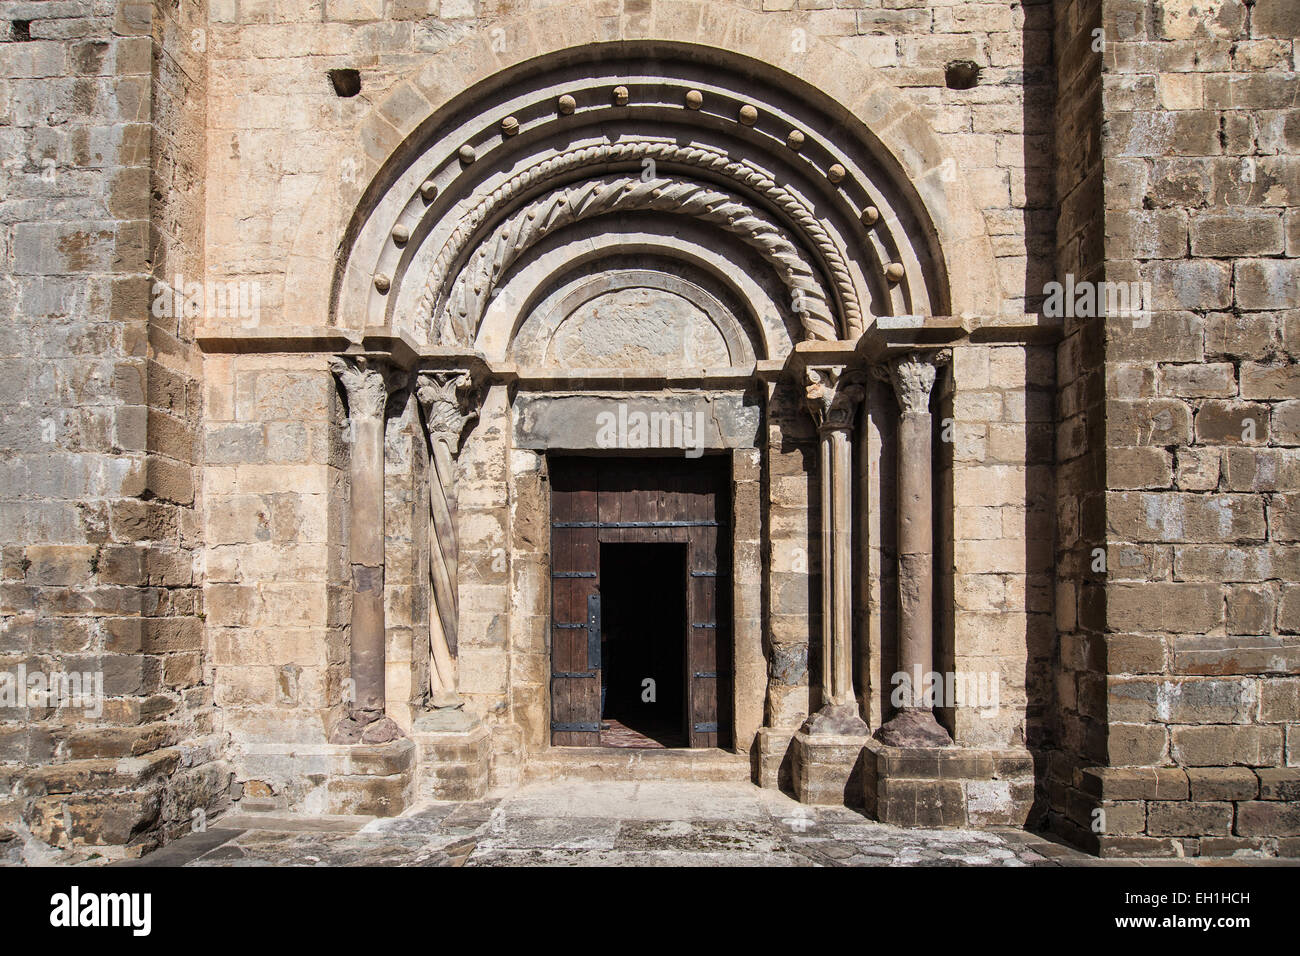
486 543
275 567
1201 194
999 512
101 108
793 582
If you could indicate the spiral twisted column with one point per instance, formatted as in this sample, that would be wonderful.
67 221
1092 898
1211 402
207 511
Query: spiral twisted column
449 400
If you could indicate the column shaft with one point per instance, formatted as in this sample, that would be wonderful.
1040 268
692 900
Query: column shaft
367 382
914 725
915 547
366 555
833 401
449 400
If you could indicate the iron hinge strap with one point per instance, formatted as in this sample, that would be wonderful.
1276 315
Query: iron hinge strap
706 728
578 728
577 674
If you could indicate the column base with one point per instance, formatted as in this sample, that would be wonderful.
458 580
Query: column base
365 727
837 720
827 768
913 727
947 786
454 760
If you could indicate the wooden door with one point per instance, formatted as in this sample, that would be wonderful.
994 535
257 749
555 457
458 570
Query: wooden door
657 500
575 596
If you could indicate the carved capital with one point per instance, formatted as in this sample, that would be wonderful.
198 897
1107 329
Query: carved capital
833 396
450 401
367 382
913 376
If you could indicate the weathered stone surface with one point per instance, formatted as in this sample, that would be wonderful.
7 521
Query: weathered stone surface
175 500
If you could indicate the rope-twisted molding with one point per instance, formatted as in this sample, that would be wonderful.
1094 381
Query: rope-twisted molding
473 288
635 150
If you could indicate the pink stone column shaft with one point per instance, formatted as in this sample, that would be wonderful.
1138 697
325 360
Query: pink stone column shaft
914 725
366 382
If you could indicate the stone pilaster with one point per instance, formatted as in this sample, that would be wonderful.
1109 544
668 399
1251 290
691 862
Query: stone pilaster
913 377
833 397
449 401
367 382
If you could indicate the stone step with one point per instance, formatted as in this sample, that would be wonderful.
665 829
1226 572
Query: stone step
101 774
612 763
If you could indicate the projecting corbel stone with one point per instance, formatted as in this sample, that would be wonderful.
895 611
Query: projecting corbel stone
912 377
368 383
449 401
833 396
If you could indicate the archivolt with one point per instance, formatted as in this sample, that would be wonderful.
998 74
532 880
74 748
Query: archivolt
469 295
819 324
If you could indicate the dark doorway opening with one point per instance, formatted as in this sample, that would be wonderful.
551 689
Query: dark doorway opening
643 645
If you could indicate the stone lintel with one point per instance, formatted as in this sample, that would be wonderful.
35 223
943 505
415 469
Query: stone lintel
694 420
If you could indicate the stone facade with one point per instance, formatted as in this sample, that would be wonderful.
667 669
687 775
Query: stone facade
302 297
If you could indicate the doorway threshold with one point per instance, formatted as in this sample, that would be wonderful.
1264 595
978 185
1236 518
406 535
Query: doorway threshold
627 763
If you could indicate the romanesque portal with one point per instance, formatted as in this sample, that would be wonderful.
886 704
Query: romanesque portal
406 400
663 249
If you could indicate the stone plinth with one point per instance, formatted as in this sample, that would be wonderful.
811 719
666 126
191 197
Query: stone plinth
454 763
828 769
775 758
947 786
375 780
368 779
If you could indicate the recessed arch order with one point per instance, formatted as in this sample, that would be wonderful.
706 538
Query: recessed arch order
669 128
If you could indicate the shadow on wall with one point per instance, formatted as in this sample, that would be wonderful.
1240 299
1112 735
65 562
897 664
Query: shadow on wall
1038 219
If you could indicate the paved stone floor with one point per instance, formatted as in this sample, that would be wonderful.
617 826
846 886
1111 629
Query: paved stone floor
610 824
